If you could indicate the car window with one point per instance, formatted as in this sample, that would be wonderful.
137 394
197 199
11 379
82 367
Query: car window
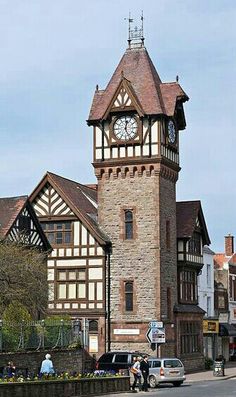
172 363
156 364
106 358
121 358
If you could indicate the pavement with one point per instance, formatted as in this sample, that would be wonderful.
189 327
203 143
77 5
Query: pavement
230 372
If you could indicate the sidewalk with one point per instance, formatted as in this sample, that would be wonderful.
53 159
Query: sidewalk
230 372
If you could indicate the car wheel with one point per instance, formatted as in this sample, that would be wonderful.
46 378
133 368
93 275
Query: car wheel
177 384
152 381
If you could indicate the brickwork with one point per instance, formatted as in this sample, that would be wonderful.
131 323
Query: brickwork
145 260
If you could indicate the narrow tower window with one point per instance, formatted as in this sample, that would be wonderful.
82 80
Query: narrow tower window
129 224
129 295
168 234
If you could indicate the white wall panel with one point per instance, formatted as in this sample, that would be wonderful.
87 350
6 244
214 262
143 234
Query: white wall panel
95 273
76 232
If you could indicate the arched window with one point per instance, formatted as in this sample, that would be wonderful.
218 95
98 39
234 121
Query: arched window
93 326
129 296
129 225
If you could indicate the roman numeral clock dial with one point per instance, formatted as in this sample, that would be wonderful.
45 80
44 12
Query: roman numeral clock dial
125 128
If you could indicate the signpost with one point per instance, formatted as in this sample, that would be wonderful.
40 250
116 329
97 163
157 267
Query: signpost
156 333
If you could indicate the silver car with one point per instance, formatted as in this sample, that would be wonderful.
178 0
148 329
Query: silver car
165 370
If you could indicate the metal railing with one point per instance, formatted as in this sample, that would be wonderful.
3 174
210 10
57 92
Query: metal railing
43 334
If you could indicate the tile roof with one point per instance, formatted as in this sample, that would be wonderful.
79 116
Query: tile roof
82 199
154 96
220 259
10 207
186 216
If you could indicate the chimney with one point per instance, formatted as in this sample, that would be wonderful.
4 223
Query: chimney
229 245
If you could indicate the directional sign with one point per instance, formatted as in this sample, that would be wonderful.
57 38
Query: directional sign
156 335
156 324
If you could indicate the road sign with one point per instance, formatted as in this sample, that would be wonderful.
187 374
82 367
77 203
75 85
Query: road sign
156 335
156 324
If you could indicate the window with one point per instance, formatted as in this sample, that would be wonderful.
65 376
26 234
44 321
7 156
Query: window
121 358
58 232
172 364
188 286
24 224
232 287
195 245
71 284
208 306
167 234
93 326
208 275
129 225
190 337
156 364
129 296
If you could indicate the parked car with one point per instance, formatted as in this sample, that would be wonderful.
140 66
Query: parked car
165 370
117 360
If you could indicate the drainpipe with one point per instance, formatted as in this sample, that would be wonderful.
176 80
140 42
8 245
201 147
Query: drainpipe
109 298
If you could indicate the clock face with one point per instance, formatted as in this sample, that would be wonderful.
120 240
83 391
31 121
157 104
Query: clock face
125 128
171 132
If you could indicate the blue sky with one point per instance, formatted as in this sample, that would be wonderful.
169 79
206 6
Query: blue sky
53 53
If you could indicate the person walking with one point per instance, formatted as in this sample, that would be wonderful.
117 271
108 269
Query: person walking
144 367
135 369
47 366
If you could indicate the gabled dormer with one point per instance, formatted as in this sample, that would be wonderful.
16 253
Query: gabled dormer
192 233
19 224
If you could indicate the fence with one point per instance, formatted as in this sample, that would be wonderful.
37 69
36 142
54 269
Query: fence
37 335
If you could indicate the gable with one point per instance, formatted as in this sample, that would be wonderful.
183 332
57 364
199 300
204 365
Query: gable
48 203
122 99
26 230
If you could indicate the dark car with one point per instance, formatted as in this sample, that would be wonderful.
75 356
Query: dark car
117 360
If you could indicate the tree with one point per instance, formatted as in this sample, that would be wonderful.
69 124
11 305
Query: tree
23 277
16 320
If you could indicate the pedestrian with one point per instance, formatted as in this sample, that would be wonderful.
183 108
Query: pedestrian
144 367
47 366
135 369
10 370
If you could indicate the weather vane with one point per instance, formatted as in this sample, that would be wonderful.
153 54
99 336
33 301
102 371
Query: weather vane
136 38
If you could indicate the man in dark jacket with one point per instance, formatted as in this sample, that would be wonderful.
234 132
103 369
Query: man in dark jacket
144 367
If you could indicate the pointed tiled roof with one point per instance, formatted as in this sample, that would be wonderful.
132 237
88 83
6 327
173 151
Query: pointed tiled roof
186 215
10 207
82 199
154 96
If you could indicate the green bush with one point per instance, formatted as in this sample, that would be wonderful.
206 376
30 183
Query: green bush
208 363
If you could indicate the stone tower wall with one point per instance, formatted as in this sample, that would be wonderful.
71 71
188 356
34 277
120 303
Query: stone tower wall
145 259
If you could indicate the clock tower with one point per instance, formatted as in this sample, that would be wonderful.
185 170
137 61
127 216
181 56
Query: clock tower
136 121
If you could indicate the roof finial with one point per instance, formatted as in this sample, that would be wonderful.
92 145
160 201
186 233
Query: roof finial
97 87
177 79
135 38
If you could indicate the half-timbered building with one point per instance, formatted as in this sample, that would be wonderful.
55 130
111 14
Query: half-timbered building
67 211
192 235
19 223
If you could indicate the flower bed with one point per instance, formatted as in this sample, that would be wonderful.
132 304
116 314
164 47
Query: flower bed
64 385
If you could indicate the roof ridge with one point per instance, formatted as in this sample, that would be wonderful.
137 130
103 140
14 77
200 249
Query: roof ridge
15 197
70 180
